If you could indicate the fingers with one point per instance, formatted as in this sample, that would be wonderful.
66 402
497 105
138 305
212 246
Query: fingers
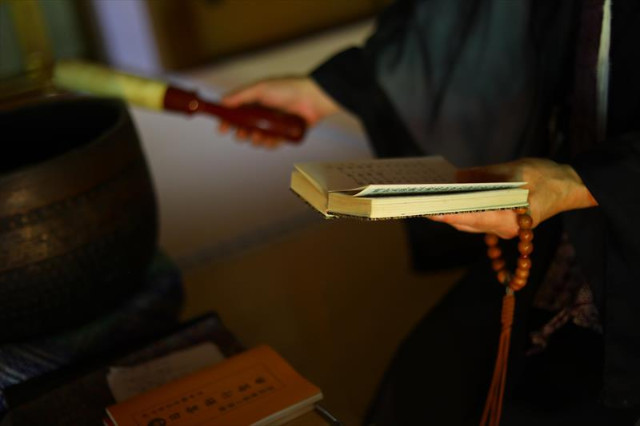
224 127
288 94
483 174
500 222
256 138
242 134
468 229
260 139
254 93
245 95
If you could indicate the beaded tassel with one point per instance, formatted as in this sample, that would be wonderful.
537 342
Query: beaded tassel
493 405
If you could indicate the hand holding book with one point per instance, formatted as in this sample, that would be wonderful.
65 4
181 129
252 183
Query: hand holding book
553 188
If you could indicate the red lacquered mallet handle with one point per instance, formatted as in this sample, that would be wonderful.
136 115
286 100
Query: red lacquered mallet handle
269 121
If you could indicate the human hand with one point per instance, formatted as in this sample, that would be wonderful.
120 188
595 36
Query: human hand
296 95
553 188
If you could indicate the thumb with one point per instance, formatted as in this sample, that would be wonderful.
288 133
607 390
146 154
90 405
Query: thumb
250 94
483 174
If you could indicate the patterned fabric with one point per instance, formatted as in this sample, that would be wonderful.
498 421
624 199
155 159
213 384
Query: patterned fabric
152 311
564 290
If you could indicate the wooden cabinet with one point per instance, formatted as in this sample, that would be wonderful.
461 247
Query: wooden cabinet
191 32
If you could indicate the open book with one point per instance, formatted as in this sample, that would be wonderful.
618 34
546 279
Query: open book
398 187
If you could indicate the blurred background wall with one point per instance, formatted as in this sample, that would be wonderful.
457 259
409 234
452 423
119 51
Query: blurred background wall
191 32
154 35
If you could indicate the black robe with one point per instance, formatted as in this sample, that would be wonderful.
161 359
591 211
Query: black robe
477 81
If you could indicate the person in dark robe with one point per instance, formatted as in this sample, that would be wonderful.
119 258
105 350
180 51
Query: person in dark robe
542 91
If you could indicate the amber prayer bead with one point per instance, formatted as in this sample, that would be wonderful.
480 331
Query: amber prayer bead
517 280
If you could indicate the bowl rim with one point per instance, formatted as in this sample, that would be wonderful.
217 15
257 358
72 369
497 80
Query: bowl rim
121 120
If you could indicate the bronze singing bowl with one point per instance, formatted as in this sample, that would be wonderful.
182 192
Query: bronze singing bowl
78 219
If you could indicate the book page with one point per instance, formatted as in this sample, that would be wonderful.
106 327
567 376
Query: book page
373 177
127 382
439 188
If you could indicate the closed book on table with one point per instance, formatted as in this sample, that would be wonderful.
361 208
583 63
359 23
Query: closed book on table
256 387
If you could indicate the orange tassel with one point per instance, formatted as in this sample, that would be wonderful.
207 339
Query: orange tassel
493 405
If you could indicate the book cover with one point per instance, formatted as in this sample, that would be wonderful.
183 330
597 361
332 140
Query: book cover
256 387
